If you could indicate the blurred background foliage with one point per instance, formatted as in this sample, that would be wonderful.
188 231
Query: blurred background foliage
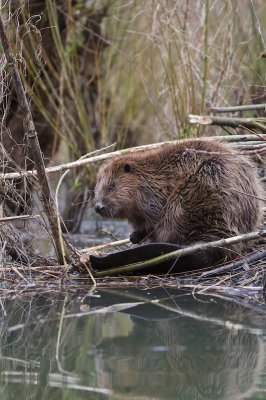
105 71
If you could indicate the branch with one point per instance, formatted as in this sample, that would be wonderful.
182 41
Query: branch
181 252
227 121
102 157
247 107
18 217
105 246
46 198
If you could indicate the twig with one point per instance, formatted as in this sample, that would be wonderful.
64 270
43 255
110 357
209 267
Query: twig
102 157
106 246
247 107
19 274
61 238
258 27
261 136
90 274
46 197
254 152
214 285
205 56
18 217
250 258
58 341
39 268
181 252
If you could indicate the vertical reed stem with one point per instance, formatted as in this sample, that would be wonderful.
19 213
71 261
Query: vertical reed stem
206 57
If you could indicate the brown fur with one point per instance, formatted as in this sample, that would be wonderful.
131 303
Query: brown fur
193 191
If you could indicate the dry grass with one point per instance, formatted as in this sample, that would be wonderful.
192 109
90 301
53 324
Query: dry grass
178 58
135 74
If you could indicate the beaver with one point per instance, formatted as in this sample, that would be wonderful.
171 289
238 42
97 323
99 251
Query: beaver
186 192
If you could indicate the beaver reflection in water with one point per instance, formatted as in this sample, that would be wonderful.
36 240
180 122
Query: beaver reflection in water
190 192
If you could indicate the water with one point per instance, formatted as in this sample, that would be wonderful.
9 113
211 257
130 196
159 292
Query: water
131 344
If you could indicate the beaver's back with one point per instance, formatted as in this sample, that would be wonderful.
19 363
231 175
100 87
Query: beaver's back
196 190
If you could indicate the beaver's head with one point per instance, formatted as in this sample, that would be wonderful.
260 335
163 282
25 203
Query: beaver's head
117 188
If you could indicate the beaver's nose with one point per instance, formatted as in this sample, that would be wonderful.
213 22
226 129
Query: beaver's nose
99 207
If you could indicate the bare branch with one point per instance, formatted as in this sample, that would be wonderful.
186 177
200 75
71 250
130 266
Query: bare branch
247 107
182 252
18 217
227 121
102 157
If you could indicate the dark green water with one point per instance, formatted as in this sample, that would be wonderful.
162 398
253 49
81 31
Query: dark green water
117 344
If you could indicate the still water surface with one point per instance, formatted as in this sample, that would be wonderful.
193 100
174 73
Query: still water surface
131 344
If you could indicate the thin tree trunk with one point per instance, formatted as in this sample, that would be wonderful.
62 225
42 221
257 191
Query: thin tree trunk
46 197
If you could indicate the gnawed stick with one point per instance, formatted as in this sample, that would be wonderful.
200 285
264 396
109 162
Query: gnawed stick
255 123
46 197
102 157
181 252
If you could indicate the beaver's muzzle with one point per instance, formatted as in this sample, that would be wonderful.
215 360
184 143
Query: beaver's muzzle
99 208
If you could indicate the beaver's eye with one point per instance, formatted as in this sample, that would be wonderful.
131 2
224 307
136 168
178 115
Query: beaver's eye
127 168
111 187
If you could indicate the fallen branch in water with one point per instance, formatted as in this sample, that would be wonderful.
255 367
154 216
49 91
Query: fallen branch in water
102 157
181 252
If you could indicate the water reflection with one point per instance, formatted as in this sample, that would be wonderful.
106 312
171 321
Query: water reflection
168 345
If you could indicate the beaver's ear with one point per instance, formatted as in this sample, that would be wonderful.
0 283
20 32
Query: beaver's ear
127 168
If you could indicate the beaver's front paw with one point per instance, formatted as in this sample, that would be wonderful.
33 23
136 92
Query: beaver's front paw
137 236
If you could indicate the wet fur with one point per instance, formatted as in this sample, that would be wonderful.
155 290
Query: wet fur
183 193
